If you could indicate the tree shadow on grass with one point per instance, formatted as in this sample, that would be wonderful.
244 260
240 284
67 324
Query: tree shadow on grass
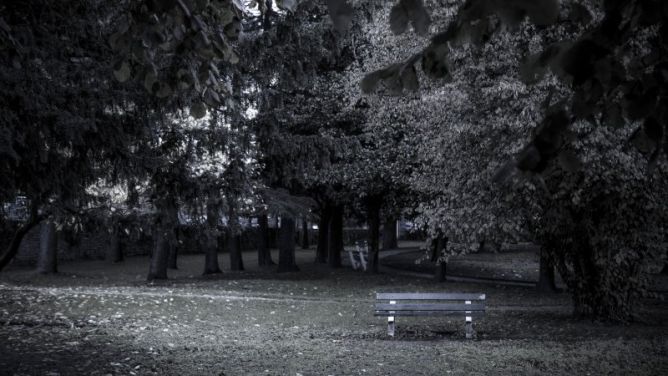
42 348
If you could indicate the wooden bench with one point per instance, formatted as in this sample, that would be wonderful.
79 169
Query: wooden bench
430 304
359 256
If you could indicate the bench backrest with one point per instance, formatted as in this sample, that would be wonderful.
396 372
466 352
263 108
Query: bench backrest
428 296
429 304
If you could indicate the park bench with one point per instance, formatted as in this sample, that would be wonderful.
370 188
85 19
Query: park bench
359 255
430 304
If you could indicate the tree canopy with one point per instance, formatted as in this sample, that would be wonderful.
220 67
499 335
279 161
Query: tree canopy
482 120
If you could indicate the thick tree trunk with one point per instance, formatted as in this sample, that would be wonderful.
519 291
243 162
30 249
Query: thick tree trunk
594 294
335 238
47 259
234 247
211 238
159 256
263 251
546 274
373 213
323 235
286 251
210 243
390 233
173 250
13 247
233 237
163 238
305 240
115 250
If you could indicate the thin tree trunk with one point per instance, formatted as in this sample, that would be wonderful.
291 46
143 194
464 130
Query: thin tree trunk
390 233
47 260
160 255
115 251
305 242
546 282
665 269
286 251
211 265
323 235
441 266
263 251
13 247
335 239
373 210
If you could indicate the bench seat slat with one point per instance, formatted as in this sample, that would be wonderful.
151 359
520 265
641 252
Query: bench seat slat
428 296
430 313
430 307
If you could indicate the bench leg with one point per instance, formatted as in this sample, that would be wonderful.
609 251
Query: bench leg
390 322
469 323
469 327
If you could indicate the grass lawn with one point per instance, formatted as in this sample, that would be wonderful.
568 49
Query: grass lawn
98 319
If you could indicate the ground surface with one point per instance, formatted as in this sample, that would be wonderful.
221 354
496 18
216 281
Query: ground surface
96 318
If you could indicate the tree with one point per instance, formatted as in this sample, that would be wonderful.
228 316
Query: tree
115 251
65 122
286 257
211 237
390 232
298 130
264 254
335 241
602 224
47 259
624 97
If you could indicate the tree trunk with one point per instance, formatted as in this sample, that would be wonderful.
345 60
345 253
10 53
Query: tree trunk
373 213
664 271
159 256
546 274
390 233
263 251
323 235
335 237
234 247
211 265
440 274
305 242
173 250
19 234
440 269
286 250
488 247
47 260
115 250
233 237
595 296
